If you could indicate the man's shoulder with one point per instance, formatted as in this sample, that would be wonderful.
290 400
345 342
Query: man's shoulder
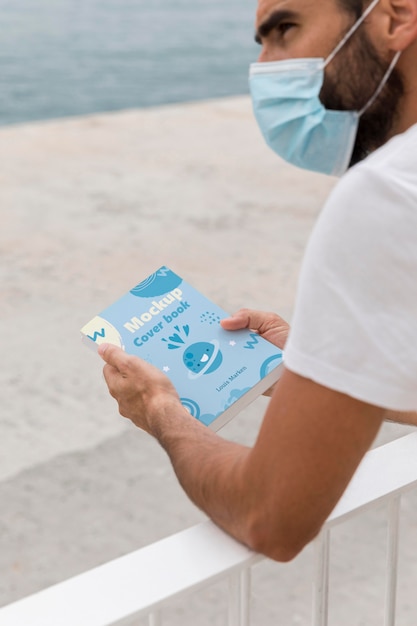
373 204
394 160
385 183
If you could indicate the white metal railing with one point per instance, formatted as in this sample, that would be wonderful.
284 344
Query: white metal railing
143 582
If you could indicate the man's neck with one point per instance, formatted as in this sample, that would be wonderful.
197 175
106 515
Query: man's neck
408 110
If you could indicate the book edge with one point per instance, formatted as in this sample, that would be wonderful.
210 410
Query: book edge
241 403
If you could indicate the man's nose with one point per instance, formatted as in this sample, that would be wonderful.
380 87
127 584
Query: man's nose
269 54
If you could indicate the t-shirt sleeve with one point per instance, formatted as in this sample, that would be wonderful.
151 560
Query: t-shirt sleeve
354 327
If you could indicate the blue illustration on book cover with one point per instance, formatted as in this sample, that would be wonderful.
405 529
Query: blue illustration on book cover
170 324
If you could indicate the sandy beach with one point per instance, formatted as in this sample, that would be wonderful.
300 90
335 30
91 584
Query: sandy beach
89 207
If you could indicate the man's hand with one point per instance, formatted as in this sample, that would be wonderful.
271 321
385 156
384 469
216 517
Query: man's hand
269 325
144 394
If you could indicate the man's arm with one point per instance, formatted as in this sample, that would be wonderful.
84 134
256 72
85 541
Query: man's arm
275 496
408 418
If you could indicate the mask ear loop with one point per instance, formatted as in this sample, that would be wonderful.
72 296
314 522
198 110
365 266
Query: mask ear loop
350 32
382 83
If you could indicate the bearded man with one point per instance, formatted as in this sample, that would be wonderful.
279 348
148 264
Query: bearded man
335 91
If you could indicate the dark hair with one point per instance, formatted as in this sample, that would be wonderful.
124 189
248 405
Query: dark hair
353 6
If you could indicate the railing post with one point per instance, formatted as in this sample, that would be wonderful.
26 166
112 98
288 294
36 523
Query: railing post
392 560
321 579
245 591
239 598
155 619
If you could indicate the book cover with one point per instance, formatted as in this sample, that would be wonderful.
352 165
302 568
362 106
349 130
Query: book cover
169 323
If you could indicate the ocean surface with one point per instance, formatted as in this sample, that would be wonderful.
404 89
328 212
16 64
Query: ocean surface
70 57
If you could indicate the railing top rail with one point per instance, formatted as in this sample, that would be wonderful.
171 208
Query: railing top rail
134 583
143 580
384 471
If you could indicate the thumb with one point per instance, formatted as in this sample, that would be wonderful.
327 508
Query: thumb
237 321
113 355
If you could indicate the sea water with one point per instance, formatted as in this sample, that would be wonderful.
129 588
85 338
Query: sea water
70 57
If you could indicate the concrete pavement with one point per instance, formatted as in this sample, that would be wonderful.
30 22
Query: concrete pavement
88 207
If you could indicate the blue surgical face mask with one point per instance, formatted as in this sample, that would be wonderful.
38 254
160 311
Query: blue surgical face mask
294 122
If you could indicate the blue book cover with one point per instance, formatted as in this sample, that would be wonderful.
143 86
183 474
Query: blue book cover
169 323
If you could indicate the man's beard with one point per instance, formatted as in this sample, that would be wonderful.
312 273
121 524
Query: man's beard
356 75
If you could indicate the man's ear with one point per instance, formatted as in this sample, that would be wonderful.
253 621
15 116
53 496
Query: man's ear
401 22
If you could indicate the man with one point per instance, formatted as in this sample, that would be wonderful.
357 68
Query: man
350 357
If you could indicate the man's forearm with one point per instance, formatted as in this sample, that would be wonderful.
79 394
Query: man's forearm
211 471
407 417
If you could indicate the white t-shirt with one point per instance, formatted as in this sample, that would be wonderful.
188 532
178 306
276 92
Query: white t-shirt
354 328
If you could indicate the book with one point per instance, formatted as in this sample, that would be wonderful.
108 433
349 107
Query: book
169 323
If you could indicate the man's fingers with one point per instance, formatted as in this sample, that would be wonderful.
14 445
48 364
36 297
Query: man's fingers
110 376
249 318
114 356
237 321
269 325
